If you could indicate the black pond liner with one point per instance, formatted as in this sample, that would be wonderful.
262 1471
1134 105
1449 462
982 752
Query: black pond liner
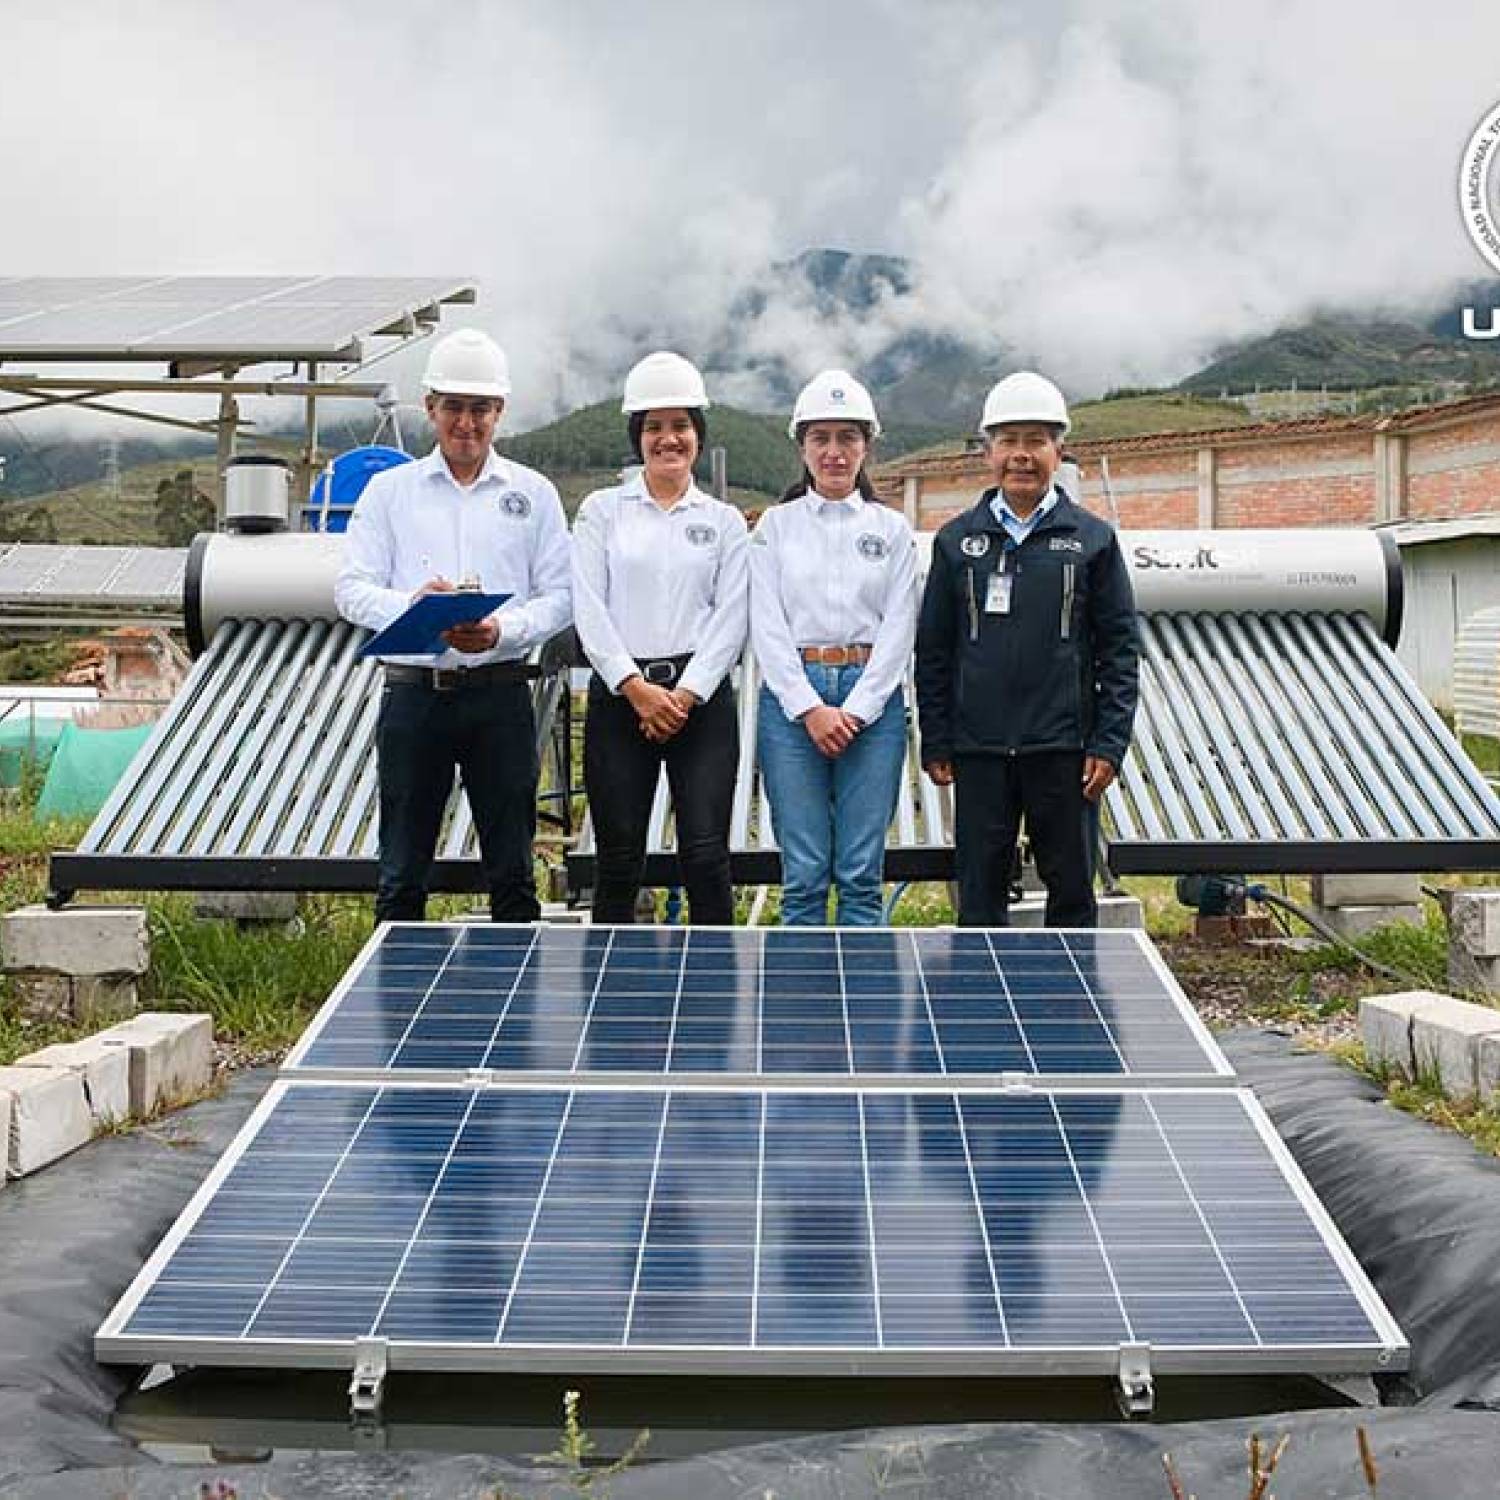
1419 1207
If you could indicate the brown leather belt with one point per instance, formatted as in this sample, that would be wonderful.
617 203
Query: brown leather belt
456 679
836 656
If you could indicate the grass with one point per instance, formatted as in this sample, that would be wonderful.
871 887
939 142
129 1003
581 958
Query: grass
261 987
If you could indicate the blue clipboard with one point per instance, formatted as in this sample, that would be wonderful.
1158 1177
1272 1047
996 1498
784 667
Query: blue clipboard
419 630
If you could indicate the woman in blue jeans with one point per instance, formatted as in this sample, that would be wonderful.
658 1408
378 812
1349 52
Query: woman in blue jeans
832 617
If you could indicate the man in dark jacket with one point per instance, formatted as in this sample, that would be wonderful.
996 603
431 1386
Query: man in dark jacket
1027 666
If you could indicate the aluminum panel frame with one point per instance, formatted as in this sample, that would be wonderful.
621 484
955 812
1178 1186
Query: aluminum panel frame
1390 1355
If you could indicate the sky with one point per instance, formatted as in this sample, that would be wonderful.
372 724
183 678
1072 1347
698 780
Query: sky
1115 187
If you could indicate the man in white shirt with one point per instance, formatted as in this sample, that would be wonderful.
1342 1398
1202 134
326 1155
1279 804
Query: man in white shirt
460 518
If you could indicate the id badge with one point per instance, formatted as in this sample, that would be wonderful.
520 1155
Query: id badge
997 593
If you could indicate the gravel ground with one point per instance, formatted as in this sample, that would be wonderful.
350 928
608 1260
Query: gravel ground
1233 985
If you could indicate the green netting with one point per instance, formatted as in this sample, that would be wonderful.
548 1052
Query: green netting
26 741
86 764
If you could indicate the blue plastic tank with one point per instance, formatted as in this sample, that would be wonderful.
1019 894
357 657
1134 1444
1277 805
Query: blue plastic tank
331 502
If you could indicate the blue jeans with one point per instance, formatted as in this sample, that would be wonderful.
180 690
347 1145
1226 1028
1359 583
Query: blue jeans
831 816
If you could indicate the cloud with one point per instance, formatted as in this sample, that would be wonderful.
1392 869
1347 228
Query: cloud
1112 189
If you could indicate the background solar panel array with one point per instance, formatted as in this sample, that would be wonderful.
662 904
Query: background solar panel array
759 1002
751 1220
162 316
45 572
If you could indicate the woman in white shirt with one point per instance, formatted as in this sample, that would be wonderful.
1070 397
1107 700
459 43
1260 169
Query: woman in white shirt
832 618
660 599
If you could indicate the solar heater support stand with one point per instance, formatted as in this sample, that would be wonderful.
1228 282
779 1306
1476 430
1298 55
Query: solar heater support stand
367 1385
1137 1391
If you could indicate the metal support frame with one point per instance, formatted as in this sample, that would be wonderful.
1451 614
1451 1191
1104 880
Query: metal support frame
367 1384
39 392
1135 1389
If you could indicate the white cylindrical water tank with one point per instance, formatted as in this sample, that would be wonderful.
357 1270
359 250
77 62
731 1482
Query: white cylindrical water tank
286 576
257 493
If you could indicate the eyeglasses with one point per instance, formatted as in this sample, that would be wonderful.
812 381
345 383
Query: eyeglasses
455 407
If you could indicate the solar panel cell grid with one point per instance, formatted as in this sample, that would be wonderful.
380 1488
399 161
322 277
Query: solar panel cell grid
740 1219
718 1001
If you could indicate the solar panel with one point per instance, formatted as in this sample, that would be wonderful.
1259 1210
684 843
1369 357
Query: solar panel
258 317
755 1229
440 1002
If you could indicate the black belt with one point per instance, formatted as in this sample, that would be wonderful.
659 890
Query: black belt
663 671
456 679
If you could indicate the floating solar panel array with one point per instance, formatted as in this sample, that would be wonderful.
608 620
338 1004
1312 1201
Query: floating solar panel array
591 1196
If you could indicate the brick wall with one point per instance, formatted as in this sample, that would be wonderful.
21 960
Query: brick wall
1423 464
1454 470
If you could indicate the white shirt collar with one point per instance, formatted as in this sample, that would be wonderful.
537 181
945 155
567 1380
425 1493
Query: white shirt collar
634 488
435 466
851 505
1001 506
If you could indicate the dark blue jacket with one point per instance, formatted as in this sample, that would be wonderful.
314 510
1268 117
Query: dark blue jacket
1060 671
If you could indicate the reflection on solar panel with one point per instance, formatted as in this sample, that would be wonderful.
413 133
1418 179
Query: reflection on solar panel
750 1229
442 1001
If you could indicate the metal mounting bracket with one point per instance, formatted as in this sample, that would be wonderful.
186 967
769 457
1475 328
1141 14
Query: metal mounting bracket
1017 1083
367 1385
479 1078
1136 1391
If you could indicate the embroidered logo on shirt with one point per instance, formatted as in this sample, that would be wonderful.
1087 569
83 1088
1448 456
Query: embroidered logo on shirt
514 503
975 546
872 547
701 536
1066 544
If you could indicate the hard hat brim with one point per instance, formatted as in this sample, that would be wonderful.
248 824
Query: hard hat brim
491 388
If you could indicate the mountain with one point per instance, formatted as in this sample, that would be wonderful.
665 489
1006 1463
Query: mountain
916 379
1357 352
762 460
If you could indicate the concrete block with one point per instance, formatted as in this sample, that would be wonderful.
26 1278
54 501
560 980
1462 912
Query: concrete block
1114 911
171 1057
1385 1027
1476 975
76 940
40 996
1358 921
82 999
49 1116
1445 1035
559 913
105 1071
1366 890
1474 922
1487 1065
247 906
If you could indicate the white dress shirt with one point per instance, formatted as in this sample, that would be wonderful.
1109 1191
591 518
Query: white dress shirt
416 522
832 573
652 581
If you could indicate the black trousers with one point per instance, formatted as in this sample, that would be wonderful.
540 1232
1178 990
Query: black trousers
992 793
621 768
489 734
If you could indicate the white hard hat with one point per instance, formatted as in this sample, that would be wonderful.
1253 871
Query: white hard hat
467 363
1024 397
833 396
664 381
